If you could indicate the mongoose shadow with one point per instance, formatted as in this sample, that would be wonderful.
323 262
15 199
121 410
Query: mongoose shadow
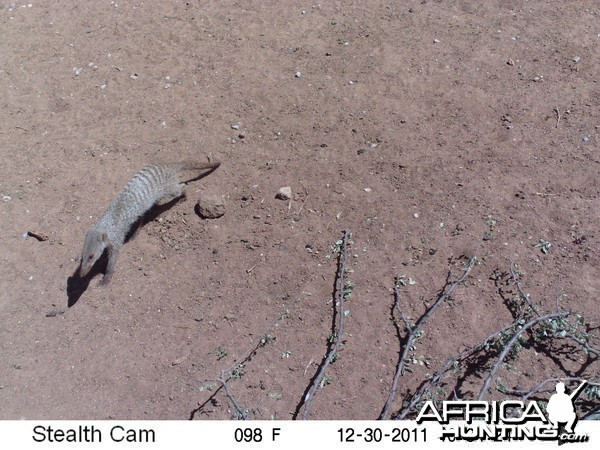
77 285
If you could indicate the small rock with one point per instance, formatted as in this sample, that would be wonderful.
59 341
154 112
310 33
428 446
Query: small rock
298 74
576 59
367 189
285 193
242 135
350 82
134 76
585 138
235 126
360 151
416 215
210 206
436 41
537 78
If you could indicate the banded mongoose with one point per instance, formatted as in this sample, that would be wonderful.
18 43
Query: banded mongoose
154 184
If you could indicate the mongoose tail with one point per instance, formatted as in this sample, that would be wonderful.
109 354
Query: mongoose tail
154 184
194 166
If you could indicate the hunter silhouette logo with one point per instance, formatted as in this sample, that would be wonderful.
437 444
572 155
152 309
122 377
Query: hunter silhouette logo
509 420
561 409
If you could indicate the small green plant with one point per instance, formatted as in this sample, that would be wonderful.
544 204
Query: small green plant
267 340
592 392
327 379
402 281
276 395
206 387
238 372
348 288
491 222
543 245
337 247
221 353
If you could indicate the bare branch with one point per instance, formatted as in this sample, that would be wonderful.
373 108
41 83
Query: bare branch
438 376
512 342
226 374
526 394
413 331
522 294
584 344
339 333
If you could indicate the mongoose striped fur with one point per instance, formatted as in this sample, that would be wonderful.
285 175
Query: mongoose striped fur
154 184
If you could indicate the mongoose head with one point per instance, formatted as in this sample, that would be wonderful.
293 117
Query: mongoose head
93 247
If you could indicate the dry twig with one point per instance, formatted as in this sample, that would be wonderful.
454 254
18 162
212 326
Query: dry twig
339 295
526 394
450 363
413 331
522 294
509 345
226 374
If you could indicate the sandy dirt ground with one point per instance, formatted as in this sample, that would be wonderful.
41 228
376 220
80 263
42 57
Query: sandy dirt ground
431 130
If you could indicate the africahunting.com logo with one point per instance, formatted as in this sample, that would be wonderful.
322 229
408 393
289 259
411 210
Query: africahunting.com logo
509 420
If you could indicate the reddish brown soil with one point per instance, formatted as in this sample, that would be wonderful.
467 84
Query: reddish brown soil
452 102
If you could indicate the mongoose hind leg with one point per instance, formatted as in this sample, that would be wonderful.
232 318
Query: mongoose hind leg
176 192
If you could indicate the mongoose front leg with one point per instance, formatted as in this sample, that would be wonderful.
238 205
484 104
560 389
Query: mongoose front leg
110 267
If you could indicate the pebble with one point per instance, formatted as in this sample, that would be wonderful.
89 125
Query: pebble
298 74
285 193
585 138
134 76
536 78
77 70
416 215
235 126
436 41
368 189
576 59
